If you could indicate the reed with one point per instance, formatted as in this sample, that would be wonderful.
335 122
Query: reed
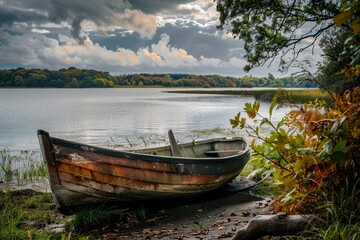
341 219
21 167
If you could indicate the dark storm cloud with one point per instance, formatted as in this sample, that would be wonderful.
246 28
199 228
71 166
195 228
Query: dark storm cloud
103 13
128 14
75 12
28 4
10 15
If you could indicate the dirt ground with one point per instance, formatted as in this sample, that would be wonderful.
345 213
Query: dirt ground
217 215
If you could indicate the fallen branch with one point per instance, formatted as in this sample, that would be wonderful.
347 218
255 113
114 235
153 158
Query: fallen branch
274 225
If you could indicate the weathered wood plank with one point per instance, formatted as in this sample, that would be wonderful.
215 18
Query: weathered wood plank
90 168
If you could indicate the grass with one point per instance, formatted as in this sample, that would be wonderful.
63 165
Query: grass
27 214
21 218
21 167
94 219
341 220
343 215
297 95
11 219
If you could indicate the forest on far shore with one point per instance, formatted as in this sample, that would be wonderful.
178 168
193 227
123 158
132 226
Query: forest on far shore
85 78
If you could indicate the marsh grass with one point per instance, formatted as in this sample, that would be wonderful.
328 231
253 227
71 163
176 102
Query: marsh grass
297 95
21 167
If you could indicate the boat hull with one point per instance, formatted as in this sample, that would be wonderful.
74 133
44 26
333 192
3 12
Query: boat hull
82 174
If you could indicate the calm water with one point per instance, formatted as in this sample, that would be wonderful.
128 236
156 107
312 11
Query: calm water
93 115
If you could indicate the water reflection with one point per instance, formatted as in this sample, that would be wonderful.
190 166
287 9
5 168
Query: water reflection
93 115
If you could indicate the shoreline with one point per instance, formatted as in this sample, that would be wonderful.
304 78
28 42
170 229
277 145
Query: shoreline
215 215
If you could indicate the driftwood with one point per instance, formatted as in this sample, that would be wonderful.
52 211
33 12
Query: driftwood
274 225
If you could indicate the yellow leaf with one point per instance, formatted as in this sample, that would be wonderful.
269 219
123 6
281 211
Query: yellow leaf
342 17
355 26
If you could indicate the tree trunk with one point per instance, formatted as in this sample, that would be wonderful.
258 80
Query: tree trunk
274 225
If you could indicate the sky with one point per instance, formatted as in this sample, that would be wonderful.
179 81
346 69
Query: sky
122 37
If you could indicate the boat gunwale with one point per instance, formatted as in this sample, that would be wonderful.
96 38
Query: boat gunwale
149 157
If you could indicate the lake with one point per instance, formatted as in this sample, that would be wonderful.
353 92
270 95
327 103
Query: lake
96 116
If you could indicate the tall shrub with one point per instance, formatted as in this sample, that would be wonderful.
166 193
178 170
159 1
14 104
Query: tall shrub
315 149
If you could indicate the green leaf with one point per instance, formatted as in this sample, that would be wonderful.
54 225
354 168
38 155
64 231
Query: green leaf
341 146
282 121
234 123
298 140
256 106
338 157
282 132
272 105
274 154
265 121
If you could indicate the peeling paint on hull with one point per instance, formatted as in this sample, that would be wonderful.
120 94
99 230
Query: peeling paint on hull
82 174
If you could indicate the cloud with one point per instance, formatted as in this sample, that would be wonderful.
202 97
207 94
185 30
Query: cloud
43 52
158 6
10 14
135 20
108 14
120 36
102 15
196 40
105 14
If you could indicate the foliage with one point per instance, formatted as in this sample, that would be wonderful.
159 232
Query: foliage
329 72
312 148
349 17
295 95
287 28
83 78
69 78
349 58
271 28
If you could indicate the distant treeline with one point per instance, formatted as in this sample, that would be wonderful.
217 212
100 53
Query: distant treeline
84 78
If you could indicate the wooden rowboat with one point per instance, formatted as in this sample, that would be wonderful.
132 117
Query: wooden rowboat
82 174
